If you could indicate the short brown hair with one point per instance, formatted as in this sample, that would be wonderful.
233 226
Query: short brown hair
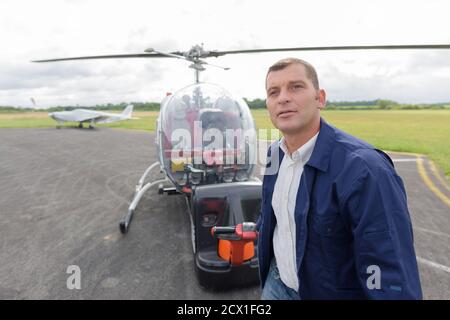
310 71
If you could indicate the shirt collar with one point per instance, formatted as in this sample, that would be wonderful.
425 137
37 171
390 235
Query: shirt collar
301 154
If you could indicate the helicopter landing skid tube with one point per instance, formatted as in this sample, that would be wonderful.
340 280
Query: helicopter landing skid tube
138 193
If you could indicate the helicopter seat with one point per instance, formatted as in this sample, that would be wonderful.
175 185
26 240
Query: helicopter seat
175 148
214 152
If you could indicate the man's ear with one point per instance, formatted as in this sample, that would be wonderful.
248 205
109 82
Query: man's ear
321 98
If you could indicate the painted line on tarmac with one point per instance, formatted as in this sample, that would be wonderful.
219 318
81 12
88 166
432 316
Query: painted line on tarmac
437 175
433 264
429 183
412 154
432 232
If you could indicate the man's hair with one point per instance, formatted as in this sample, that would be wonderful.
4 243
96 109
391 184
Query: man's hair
284 63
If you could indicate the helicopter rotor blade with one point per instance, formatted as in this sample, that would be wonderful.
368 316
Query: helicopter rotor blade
150 53
329 48
177 55
114 56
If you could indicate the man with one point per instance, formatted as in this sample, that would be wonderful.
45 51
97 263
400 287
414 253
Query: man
334 219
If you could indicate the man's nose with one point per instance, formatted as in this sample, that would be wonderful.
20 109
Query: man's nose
284 97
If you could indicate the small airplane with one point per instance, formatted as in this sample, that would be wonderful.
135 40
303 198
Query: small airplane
91 116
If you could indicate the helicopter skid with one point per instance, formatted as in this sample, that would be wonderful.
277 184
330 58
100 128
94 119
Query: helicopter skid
138 193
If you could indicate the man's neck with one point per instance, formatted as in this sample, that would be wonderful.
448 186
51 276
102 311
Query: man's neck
295 140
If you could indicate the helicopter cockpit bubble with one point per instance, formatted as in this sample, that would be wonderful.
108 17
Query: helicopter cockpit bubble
206 136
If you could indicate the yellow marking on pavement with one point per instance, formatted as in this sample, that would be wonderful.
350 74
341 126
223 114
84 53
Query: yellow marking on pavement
438 176
429 183
404 153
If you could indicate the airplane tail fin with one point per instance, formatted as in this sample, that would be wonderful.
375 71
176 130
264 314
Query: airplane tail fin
128 111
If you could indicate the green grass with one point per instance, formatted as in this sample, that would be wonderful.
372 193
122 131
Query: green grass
146 121
417 131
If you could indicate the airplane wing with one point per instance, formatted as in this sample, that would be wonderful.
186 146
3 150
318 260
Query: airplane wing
88 115
78 115
84 115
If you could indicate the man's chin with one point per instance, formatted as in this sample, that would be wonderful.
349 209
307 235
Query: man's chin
289 129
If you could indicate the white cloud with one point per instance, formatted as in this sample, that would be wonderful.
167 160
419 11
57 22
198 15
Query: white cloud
52 28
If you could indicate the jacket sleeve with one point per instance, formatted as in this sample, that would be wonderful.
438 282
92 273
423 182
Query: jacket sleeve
382 231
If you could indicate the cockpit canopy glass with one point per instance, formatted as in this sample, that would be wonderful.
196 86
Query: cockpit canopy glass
204 128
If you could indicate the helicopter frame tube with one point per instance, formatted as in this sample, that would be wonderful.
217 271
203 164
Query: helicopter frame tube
138 193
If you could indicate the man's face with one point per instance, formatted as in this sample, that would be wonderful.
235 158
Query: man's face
292 100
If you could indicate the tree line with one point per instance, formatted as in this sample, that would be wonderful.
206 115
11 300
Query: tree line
379 104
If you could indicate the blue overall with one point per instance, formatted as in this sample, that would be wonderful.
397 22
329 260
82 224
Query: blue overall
354 237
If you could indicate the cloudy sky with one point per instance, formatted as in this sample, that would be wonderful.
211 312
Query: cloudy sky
31 30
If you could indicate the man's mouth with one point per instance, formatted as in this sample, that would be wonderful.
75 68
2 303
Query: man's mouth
286 113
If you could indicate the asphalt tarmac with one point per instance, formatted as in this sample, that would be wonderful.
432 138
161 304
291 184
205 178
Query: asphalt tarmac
63 192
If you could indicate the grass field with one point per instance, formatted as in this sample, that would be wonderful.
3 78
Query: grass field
146 121
417 131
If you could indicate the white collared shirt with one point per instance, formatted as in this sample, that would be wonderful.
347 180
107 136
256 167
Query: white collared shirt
283 204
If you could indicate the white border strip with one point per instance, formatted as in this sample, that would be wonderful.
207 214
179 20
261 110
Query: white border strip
433 264
432 232
405 160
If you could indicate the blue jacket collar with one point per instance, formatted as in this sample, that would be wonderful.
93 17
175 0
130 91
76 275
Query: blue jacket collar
320 158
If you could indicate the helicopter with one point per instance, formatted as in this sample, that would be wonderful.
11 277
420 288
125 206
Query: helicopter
206 142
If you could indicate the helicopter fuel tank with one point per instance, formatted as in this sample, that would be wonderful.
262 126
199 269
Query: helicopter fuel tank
205 136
